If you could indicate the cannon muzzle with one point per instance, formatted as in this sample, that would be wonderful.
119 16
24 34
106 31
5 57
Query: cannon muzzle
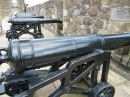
28 54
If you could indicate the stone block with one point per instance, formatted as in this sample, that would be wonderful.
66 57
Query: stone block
83 10
93 10
74 28
83 27
76 12
60 26
59 4
77 2
59 13
120 14
114 27
87 21
67 19
99 24
119 27
78 20
102 31
104 16
68 4
70 11
81 32
96 1
53 16
86 1
125 27
65 12
116 3
72 20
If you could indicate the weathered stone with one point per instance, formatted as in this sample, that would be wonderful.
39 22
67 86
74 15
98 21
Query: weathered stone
87 21
99 24
120 14
93 10
68 4
67 19
106 9
96 1
88 30
76 12
114 27
77 2
103 16
60 26
59 4
86 1
81 32
83 27
74 28
59 13
78 20
66 24
125 27
107 16
102 31
83 10
70 12
65 12
69 30
116 3
53 16
72 20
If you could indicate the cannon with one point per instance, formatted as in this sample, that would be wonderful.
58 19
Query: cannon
24 23
81 56
27 15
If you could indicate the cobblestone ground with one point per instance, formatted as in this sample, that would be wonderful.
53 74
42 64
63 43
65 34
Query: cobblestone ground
122 85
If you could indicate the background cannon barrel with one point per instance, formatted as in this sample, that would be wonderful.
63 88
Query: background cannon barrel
27 15
24 15
28 54
33 20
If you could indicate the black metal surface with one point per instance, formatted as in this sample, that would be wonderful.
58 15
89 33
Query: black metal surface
84 56
24 23
27 86
2 89
32 54
103 89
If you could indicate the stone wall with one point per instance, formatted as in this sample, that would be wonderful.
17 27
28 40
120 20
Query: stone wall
50 9
81 17
8 8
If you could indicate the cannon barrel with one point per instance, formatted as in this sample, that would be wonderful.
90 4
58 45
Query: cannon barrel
24 15
28 54
33 20
27 15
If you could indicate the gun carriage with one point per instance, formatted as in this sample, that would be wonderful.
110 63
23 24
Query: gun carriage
83 56
24 23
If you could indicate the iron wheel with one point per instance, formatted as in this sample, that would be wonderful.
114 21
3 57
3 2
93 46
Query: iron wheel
103 89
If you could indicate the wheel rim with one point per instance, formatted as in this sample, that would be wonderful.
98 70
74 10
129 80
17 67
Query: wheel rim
106 92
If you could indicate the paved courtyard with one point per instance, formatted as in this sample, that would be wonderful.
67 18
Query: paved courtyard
121 84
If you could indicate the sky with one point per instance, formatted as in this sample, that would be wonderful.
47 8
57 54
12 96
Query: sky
34 2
